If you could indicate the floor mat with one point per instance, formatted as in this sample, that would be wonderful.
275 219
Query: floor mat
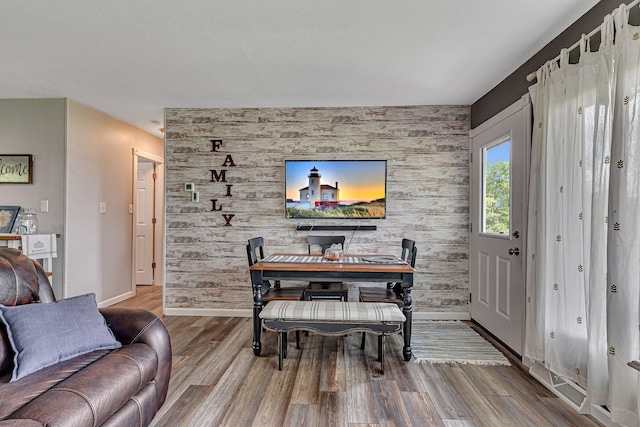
440 341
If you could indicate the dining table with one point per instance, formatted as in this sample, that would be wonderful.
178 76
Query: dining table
354 268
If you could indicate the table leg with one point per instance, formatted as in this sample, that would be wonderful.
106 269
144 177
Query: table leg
257 308
282 348
257 345
407 310
381 352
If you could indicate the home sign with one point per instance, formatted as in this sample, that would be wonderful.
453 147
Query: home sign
16 168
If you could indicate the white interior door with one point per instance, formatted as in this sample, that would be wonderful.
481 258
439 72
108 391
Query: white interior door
145 223
499 170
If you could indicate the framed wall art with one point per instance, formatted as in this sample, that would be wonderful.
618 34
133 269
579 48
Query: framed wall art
16 168
8 215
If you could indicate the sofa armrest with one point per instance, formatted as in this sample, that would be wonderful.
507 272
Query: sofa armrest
135 325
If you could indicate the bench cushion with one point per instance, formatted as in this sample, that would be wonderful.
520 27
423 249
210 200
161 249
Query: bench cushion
333 311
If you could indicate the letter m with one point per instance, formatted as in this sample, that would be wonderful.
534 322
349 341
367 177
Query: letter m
217 177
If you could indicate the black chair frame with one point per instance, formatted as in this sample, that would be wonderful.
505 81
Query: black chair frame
325 290
268 292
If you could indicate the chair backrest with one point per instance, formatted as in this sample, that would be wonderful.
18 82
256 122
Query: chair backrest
255 251
409 251
324 242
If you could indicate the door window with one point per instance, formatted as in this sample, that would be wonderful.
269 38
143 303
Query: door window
496 187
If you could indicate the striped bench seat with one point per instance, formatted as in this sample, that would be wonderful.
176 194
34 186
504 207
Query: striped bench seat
331 318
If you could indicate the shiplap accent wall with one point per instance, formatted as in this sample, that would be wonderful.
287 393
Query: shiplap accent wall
427 153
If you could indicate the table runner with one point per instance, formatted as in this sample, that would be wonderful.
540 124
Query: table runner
318 259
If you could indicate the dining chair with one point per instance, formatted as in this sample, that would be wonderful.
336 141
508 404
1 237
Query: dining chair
324 242
275 292
255 253
393 292
325 290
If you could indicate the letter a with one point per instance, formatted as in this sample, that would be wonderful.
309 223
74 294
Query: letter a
228 161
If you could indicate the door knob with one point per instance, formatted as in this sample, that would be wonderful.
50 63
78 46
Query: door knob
514 251
516 234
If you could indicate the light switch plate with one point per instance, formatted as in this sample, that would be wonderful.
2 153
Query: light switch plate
44 206
103 207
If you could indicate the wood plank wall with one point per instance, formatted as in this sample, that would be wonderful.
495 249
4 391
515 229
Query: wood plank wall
427 153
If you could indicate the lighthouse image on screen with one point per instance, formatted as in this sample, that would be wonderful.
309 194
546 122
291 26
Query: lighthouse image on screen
335 188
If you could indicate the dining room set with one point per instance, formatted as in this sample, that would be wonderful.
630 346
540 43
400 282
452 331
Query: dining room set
321 304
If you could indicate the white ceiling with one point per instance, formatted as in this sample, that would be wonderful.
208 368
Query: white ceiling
132 58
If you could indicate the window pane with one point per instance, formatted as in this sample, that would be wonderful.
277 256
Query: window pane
496 181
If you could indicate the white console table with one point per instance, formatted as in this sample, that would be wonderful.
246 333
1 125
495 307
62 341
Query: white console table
44 257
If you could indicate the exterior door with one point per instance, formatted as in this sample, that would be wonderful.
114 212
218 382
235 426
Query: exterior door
145 218
499 171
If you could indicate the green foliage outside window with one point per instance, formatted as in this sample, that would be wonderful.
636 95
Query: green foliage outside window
497 193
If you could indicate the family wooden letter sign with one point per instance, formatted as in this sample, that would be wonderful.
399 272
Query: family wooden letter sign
16 168
221 176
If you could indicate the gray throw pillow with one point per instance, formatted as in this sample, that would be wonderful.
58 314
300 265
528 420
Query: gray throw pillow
45 334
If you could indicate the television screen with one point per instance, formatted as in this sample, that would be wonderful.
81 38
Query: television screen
335 188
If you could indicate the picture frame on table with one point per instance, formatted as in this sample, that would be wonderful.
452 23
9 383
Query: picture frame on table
8 215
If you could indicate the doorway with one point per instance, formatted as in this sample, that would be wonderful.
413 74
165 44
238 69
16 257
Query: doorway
500 150
145 220
147 211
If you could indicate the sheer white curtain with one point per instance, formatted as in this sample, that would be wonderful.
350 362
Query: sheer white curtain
583 277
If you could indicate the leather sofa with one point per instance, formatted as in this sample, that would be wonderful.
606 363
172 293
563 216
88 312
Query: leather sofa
120 387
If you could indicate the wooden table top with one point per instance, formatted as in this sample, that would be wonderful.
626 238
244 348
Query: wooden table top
4 236
7 236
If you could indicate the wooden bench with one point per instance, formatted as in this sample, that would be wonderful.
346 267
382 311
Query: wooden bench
331 318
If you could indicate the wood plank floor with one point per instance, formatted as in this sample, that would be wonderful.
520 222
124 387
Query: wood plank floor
217 381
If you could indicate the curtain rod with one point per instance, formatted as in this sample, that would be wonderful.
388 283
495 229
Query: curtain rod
532 76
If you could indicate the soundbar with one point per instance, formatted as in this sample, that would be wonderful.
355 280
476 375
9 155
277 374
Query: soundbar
336 227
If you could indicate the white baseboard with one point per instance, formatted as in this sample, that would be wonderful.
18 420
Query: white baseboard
116 299
218 312
545 377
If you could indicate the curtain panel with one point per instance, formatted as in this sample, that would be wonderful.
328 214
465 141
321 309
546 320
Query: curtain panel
583 277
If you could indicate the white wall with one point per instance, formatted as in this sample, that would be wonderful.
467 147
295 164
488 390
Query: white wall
37 127
99 166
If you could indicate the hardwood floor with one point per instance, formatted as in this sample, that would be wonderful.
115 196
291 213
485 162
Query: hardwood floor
217 381
147 297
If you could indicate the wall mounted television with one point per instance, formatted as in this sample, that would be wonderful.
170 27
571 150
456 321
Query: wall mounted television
354 189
